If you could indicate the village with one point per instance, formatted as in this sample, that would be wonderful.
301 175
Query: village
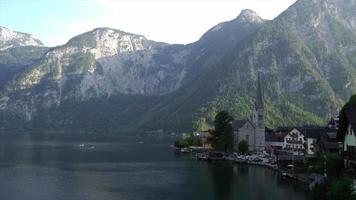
304 153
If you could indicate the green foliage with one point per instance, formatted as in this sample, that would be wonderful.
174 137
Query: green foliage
222 120
338 188
316 168
334 165
21 55
243 147
343 120
85 39
191 140
200 124
222 136
341 189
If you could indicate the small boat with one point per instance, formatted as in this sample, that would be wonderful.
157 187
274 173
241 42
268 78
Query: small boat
202 156
86 147
186 150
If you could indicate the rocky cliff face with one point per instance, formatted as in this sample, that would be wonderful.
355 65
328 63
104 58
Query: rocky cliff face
106 62
9 38
108 79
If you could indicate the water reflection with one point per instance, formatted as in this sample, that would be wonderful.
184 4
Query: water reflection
222 174
32 169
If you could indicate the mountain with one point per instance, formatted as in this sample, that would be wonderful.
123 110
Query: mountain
9 38
306 59
110 81
17 51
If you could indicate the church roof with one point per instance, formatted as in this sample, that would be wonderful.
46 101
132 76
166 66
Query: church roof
237 124
274 137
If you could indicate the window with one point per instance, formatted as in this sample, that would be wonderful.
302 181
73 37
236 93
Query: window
247 138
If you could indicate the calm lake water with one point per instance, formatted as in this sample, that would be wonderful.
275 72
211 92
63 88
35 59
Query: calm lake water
44 170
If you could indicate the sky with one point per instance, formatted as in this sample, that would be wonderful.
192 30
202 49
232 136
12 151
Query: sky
54 22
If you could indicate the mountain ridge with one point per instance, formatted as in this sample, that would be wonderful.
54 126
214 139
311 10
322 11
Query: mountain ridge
90 85
10 38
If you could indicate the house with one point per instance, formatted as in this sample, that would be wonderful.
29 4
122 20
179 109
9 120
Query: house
347 132
294 141
328 142
252 131
313 133
205 138
302 140
275 139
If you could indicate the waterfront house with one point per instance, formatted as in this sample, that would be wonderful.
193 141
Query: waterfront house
294 141
313 134
306 140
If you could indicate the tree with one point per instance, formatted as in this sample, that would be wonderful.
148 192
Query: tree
243 147
191 140
341 189
222 137
194 140
334 165
343 121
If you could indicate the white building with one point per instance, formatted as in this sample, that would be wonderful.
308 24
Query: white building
294 141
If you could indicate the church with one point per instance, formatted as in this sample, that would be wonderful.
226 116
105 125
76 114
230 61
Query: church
252 130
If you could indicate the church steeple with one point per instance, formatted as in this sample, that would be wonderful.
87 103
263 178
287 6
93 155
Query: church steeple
258 114
259 104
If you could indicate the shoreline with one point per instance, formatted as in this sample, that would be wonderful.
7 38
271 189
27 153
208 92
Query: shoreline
296 177
301 178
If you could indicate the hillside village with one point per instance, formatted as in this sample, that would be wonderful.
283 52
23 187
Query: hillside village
293 151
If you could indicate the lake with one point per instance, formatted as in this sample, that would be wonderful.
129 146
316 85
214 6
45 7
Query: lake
46 170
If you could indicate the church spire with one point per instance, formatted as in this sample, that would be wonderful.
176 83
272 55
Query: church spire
259 119
259 94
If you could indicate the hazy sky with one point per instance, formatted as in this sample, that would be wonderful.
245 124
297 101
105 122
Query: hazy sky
54 22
